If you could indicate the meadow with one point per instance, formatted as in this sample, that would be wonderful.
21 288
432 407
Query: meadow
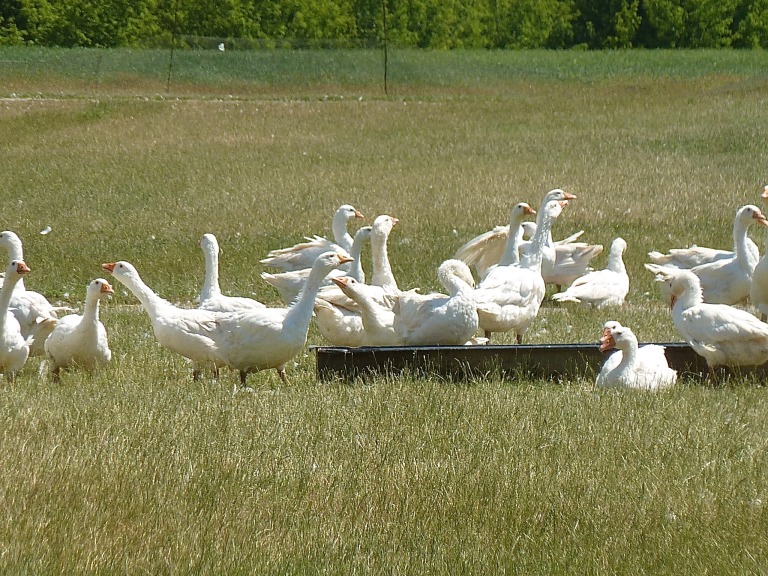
139 469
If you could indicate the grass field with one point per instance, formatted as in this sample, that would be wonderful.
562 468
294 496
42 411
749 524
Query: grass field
139 469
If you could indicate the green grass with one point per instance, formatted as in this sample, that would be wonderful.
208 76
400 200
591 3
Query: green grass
138 469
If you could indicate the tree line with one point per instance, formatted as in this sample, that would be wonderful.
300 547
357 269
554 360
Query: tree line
436 24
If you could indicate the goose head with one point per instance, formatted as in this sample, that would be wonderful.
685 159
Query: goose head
120 270
332 259
17 269
347 212
619 337
209 243
557 194
348 285
751 214
382 226
100 288
457 269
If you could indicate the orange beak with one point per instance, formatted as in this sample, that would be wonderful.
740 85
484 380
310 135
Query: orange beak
344 259
569 196
340 281
107 289
529 210
606 341
22 268
109 266
359 214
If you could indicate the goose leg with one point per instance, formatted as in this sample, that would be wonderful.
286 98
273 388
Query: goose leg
283 376
487 334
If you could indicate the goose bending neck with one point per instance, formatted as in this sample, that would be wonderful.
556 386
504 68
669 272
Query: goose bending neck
152 302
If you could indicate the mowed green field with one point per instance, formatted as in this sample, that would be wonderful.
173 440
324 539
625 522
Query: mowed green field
140 469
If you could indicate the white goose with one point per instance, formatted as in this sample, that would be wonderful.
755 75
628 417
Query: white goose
435 319
211 297
289 284
344 327
303 255
258 339
487 249
600 288
728 280
35 314
14 348
81 340
377 321
632 367
509 297
186 331
722 334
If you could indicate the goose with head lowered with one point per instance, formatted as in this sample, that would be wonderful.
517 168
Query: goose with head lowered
80 340
439 319
14 347
211 297
304 255
509 297
259 339
728 280
632 366
185 331
35 314
724 335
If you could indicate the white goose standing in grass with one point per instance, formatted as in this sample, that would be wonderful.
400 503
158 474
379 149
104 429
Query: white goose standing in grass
601 288
728 280
211 297
14 347
81 340
35 314
289 284
259 339
724 335
509 297
304 255
435 319
631 366
186 331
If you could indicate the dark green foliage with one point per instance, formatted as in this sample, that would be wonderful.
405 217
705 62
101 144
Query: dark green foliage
436 24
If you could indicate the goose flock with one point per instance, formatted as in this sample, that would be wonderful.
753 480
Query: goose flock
325 281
